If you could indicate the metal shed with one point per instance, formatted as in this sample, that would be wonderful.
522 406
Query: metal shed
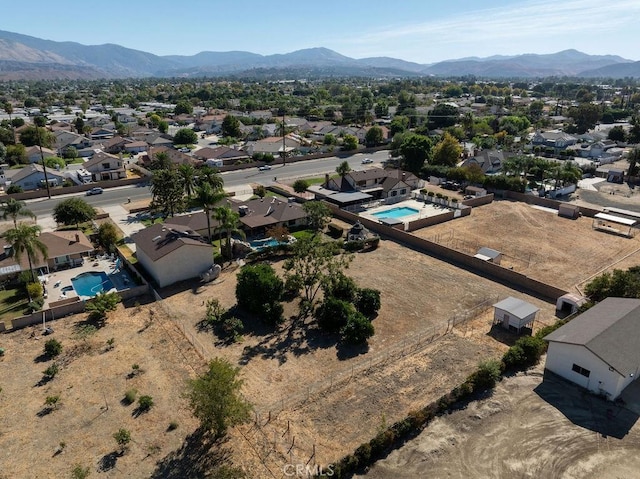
514 314
569 211
488 254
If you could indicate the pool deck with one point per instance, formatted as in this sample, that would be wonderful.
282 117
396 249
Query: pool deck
58 280
425 210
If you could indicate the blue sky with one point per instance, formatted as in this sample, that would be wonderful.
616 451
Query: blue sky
422 31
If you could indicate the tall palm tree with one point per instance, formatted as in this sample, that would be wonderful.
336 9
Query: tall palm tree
24 239
207 197
228 224
13 208
206 174
343 168
187 176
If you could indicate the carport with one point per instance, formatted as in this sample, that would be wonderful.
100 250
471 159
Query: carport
615 224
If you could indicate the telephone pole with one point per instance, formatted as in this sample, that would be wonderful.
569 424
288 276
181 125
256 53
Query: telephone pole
36 122
284 143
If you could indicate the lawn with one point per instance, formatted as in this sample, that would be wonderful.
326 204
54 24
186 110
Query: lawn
12 303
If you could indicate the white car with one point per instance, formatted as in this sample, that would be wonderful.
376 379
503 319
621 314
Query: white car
94 191
264 167
367 161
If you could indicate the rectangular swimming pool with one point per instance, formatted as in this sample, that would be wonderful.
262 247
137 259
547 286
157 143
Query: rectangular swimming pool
396 213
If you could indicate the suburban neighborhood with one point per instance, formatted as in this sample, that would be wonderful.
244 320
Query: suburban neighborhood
301 276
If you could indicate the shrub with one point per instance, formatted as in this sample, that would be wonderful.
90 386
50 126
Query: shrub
300 186
431 194
173 425
52 401
215 311
486 376
79 472
122 438
340 286
357 330
51 371
52 348
367 301
524 353
34 290
332 314
145 403
258 289
130 396
292 286
355 245
272 312
233 327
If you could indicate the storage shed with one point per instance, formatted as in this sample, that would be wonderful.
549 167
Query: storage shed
514 314
570 303
489 255
475 191
569 211
615 224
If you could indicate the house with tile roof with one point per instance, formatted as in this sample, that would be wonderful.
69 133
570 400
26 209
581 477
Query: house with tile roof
599 350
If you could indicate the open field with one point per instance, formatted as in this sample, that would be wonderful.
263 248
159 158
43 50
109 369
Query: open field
335 398
91 384
526 428
558 251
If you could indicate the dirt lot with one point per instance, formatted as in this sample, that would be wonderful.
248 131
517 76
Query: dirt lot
538 243
526 429
91 384
310 385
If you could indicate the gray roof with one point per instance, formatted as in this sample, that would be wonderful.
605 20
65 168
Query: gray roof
609 330
490 253
349 197
159 240
35 168
516 307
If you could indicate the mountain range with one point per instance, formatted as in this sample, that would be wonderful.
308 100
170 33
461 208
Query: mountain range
27 57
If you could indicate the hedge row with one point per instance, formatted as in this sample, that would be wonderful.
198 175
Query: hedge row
525 353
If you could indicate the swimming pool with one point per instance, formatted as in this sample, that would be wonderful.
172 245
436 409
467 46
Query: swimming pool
266 243
396 213
91 283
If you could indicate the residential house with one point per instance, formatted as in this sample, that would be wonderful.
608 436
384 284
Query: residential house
176 157
34 156
115 145
221 155
32 177
104 166
68 139
135 147
172 253
489 161
102 133
274 145
260 214
378 182
556 139
599 350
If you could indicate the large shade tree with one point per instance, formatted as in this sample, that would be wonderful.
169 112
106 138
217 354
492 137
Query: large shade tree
73 211
168 192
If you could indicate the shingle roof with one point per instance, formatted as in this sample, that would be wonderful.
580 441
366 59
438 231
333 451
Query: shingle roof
60 243
269 211
159 240
609 330
33 168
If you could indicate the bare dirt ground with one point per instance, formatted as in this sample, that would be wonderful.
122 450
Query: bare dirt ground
526 428
91 384
320 394
538 243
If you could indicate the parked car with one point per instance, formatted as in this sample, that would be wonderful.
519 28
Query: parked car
264 167
366 161
94 191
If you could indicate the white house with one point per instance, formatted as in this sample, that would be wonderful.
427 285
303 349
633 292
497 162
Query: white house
32 177
172 253
600 349
514 314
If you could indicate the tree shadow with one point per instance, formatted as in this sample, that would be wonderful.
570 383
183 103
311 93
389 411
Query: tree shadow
108 461
346 351
43 381
199 456
42 358
45 411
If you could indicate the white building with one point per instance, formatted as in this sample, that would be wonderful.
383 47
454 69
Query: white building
600 349
514 314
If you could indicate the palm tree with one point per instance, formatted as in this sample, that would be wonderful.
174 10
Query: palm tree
13 208
207 197
343 168
206 174
228 223
187 176
24 239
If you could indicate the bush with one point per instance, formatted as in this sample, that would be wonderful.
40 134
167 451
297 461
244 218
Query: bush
367 301
122 438
173 425
34 290
486 376
292 286
272 312
352 246
51 371
52 348
524 353
332 314
79 472
145 403
130 396
233 327
357 330
340 286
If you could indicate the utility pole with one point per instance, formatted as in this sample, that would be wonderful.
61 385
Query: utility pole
36 122
284 144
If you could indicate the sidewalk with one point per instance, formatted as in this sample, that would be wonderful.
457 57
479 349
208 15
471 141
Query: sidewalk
127 222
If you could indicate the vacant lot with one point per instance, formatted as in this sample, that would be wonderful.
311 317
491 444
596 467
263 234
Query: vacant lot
336 398
37 442
526 429
538 243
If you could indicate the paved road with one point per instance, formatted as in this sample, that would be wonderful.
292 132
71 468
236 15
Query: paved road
232 179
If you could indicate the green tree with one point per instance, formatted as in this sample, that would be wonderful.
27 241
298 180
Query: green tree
343 169
32 136
228 223
123 438
349 143
168 193
73 211
374 136
585 116
79 125
24 239
231 127
102 304
107 236
332 314
314 263
300 186
3 152
185 136
617 133
415 150
187 175
163 126
634 159
13 208
215 397
52 348
183 107
207 197
16 155
399 124
160 161
206 174
54 162
357 330
368 301
318 215
619 283
447 152
443 115
259 290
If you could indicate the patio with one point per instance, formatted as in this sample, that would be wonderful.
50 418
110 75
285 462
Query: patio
58 284
423 210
